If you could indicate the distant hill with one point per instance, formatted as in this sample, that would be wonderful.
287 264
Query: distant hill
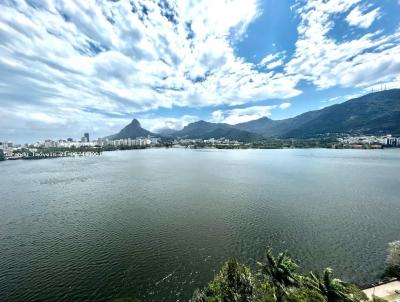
207 130
374 114
133 130
167 132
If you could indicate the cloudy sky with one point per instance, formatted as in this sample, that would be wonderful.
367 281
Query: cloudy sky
73 66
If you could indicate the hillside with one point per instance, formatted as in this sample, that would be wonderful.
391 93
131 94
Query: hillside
206 130
133 130
374 114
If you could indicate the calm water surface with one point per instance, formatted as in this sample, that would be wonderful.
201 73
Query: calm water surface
155 224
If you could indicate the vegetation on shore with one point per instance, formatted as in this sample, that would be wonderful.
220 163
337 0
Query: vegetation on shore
393 260
278 280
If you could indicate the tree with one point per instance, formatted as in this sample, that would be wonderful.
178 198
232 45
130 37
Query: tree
280 272
234 283
334 290
393 260
304 294
277 281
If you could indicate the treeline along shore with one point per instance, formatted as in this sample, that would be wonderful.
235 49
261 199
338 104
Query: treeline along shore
57 152
277 279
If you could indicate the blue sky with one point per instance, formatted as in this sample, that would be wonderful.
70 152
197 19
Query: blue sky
68 67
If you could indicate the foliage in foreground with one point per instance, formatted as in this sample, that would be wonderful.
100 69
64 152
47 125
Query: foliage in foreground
393 260
277 280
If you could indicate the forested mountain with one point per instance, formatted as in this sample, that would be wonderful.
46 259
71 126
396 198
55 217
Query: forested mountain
375 113
133 130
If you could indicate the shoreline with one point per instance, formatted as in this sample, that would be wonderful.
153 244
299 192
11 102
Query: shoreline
54 154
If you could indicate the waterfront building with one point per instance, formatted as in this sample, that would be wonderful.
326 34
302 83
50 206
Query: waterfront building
49 144
155 140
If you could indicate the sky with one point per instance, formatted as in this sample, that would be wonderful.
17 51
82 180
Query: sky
69 67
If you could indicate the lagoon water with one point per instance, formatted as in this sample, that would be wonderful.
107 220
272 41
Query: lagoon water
156 224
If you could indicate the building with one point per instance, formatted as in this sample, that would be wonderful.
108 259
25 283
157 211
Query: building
85 138
391 141
154 140
49 144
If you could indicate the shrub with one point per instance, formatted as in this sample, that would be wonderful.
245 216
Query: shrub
393 260
234 282
276 281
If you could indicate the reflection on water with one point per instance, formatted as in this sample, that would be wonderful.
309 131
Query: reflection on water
156 224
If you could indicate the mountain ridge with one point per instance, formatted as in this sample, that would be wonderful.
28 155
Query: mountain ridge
132 130
373 114
206 130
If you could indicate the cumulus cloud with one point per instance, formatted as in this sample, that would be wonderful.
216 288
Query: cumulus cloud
275 64
357 18
236 116
327 62
285 105
24 121
242 115
156 124
272 61
73 66
129 56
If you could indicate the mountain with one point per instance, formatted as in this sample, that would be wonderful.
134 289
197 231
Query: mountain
133 130
373 114
206 130
277 128
168 132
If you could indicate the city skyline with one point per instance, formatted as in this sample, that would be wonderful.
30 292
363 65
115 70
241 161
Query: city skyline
92 67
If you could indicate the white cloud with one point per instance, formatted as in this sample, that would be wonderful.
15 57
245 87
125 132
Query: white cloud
25 121
275 64
241 115
326 62
158 123
357 18
384 85
217 116
284 106
269 58
130 56
341 98
272 61
75 64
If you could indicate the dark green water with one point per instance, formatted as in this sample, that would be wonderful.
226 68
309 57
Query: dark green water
156 224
